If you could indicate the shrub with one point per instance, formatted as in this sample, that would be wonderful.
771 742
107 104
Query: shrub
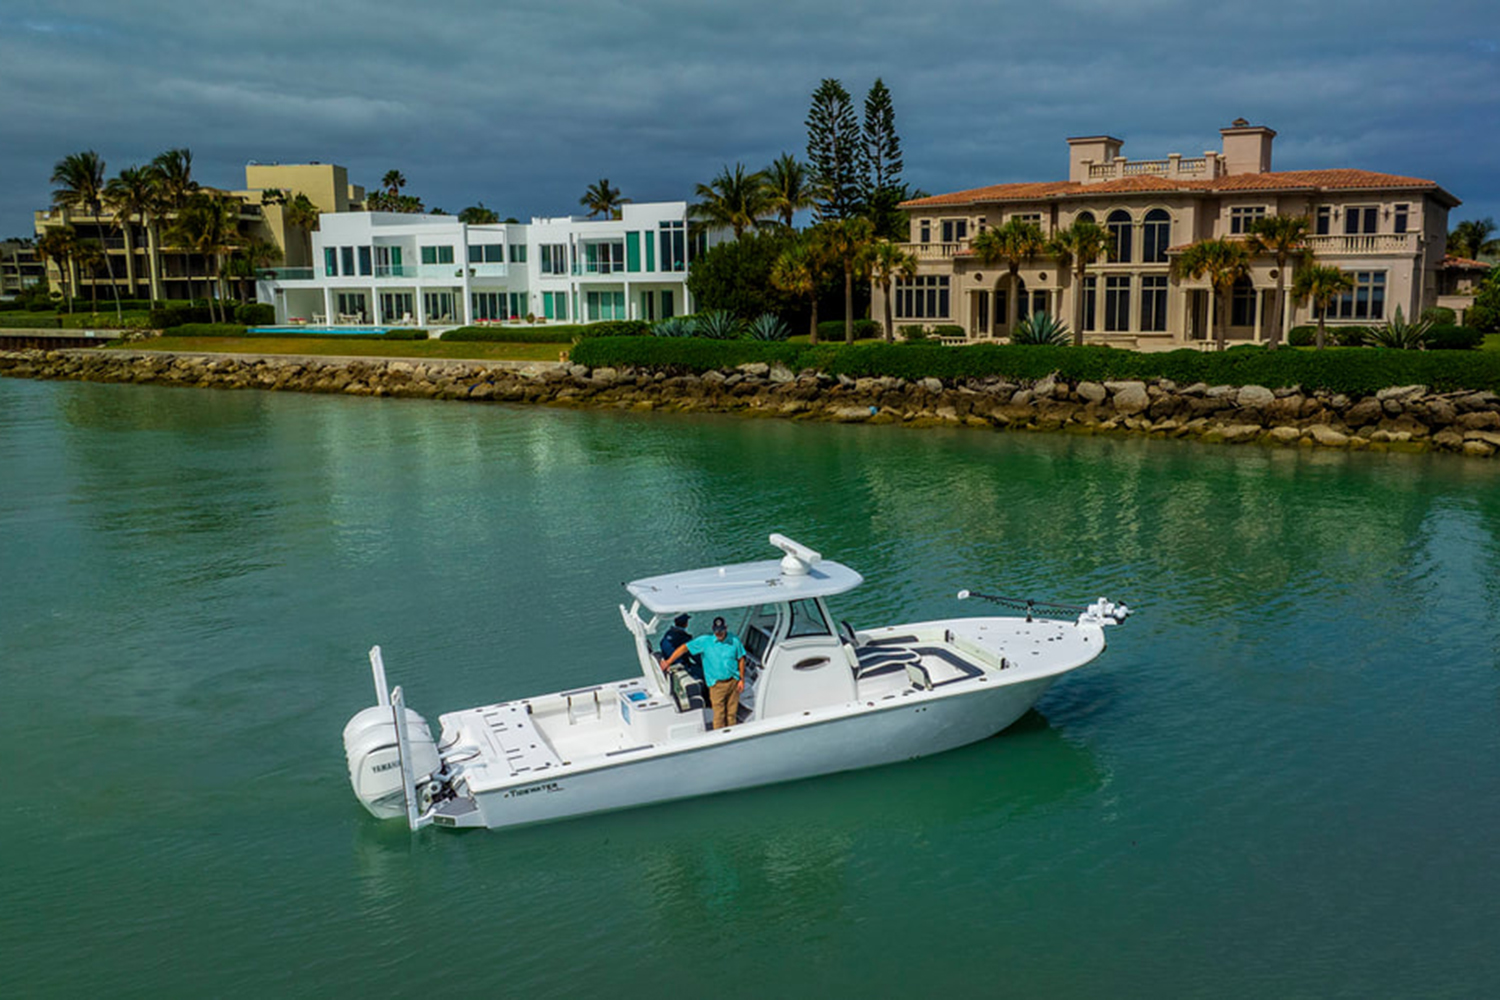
138 320
400 334
1447 337
947 330
676 326
615 328
1302 336
1336 371
255 314
914 333
833 329
31 321
1347 336
1399 334
720 324
1041 329
514 335
1440 316
736 275
767 326
177 314
1482 317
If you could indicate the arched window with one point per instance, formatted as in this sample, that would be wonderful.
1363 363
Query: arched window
1156 236
1120 227
1084 217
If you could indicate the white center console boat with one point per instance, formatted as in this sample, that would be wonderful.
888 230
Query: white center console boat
819 697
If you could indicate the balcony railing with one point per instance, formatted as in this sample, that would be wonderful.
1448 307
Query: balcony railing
1191 168
600 267
396 271
1368 243
935 251
285 274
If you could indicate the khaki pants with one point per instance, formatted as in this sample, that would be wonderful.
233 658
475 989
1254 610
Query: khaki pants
725 698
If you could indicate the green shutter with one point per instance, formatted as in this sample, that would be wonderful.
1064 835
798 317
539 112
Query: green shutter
547 304
633 252
650 253
395 256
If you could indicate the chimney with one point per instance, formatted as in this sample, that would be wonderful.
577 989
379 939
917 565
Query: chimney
1247 148
1090 150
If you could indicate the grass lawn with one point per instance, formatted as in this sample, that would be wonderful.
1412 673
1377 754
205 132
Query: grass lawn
334 346
1491 342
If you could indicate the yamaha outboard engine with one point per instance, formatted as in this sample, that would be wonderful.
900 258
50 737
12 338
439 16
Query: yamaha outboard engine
374 753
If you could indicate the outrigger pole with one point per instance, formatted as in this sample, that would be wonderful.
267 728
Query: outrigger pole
1050 609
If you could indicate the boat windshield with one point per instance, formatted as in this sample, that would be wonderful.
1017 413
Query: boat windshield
806 619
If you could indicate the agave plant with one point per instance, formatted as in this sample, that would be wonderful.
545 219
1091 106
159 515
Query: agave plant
768 326
719 324
676 326
1040 328
1400 335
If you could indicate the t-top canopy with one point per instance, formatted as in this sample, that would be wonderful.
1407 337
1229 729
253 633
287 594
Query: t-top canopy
801 574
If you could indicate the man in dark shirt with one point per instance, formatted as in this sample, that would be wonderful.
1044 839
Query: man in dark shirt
678 635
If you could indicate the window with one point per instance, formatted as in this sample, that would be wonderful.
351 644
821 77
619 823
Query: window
352 303
982 313
955 230
437 255
1084 217
476 253
1241 216
632 252
555 305
1117 303
603 258
517 302
1035 218
666 304
1366 301
1324 223
605 305
395 307
1090 304
494 253
1399 220
1002 310
518 253
1360 220
1120 228
1242 304
1156 236
923 297
346 260
673 239
1154 303
439 307
554 258
330 262
806 619
366 264
925 229
492 305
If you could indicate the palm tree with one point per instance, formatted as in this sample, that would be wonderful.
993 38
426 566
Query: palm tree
130 194
1013 244
80 184
1472 238
59 246
393 182
246 261
1223 262
301 213
208 225
799 271
173 173
731 201
1322 283
478 215
1285 238
87 254
788 187
1080 245
888 262
601 199
847 242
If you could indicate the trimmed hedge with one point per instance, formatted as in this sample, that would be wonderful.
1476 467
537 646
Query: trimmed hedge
31 321
513 334
1447 337
255 314
207 330
864 329
1359 372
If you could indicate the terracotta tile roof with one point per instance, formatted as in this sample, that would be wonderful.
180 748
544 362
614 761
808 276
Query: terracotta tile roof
1465 264
1286 180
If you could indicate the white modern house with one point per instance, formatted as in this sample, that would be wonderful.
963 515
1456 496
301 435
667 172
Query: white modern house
386 268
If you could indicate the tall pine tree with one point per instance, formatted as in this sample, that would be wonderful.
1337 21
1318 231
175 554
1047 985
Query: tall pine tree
835 153
881 189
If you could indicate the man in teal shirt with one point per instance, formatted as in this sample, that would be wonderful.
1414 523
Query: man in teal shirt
723 670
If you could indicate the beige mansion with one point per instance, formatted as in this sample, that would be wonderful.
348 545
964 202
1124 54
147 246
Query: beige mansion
1388 232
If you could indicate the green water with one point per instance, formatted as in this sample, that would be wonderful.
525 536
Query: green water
1282 779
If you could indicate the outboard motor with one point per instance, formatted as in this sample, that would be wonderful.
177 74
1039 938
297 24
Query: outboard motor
373 750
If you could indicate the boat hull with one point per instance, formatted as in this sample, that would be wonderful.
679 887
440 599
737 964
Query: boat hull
749 755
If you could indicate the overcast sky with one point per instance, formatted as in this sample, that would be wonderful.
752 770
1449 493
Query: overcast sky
521 104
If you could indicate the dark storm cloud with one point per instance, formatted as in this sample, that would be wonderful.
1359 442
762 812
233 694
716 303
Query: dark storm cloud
522 105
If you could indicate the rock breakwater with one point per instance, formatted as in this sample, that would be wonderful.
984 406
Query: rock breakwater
1399 417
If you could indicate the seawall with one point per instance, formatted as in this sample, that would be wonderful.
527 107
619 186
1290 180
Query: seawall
1408 418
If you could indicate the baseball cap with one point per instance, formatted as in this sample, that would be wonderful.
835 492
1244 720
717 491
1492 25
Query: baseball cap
681 620
718 624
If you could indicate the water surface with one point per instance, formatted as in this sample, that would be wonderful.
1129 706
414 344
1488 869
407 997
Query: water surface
1283 778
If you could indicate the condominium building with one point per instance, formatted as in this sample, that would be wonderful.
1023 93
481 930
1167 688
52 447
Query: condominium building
175 272
20 268
387 268
1387 232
